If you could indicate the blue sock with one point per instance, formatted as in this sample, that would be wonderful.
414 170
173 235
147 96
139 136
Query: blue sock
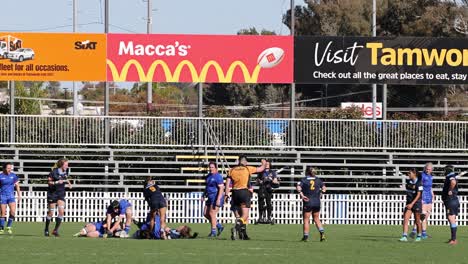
10 221
219 225
213 231
453 231
414 230
127 229
424 233
405 234
2 222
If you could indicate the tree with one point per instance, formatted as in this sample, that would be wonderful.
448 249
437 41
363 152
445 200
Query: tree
28 106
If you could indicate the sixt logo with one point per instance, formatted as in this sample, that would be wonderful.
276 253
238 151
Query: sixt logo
82 45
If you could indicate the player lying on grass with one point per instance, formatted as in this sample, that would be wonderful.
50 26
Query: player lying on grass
310 189
93 230
414 190
144 231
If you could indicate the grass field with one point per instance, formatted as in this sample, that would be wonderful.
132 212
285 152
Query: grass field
269 244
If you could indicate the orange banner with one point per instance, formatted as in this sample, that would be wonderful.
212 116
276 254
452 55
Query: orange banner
52 56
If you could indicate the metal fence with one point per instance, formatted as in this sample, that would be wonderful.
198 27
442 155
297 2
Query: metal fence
188 208
233 132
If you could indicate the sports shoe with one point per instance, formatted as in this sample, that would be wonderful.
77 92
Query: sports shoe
9 231
452 242
418 239
77 234
211 235
412 235
46 233
424 236
322 237
55 233
220 230
2 231
403 239
305 239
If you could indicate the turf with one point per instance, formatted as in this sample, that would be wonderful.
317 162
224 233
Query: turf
269 244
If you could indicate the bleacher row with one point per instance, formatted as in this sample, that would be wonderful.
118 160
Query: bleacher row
183 169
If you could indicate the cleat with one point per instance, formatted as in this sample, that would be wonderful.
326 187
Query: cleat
220 230
424 236
46 233
418 239
412 235
2 231
452 242
305 239
211 235
55 233
9 231
104 235
322 237
403 239
77 234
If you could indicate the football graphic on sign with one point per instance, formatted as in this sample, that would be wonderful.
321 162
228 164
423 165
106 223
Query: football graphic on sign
270 57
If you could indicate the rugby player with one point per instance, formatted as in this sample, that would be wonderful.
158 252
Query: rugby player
57 179
8 184
310 189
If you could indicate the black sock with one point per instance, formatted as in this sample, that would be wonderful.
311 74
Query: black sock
58 221
47 223
453 231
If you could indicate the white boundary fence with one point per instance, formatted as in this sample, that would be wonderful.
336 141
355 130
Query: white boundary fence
187 208
233 132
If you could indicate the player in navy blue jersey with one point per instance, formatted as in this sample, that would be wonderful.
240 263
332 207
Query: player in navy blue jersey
451 202
144 232
427 199
414 190
119 210
157 204
214 194
8 184
310 189
57 180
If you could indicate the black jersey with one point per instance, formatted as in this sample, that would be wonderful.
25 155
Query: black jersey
312 188
56 175
445 190
413 187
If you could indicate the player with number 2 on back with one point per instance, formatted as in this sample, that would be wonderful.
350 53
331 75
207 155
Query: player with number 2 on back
310 189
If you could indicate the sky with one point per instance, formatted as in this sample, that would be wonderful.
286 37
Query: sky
129 16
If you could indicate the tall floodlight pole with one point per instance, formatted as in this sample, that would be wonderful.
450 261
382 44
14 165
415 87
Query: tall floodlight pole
149 25
106 89
292 106
75 91
374 34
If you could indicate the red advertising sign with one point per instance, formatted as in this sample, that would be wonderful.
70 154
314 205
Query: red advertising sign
200 58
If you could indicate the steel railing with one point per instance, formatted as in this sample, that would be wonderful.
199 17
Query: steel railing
233 132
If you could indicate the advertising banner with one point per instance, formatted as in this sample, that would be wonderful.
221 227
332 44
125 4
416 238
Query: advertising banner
366 109
381 60
52 57
200 58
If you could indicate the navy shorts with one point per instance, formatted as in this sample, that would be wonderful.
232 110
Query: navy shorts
241 198
452 207
54 197
310 206
417 208
157 204
7 198
211 201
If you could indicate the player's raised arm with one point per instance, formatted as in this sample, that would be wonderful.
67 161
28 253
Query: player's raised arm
262 167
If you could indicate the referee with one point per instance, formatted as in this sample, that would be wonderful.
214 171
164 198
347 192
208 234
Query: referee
241 196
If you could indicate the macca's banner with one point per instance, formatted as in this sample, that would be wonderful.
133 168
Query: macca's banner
381 60
52 57
200 58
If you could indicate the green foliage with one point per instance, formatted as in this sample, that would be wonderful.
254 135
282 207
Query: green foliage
25 106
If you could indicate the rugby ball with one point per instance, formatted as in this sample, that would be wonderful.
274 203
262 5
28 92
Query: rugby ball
270 57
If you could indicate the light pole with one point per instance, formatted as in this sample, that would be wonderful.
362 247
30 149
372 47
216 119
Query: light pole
374 34
75 91
149 25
